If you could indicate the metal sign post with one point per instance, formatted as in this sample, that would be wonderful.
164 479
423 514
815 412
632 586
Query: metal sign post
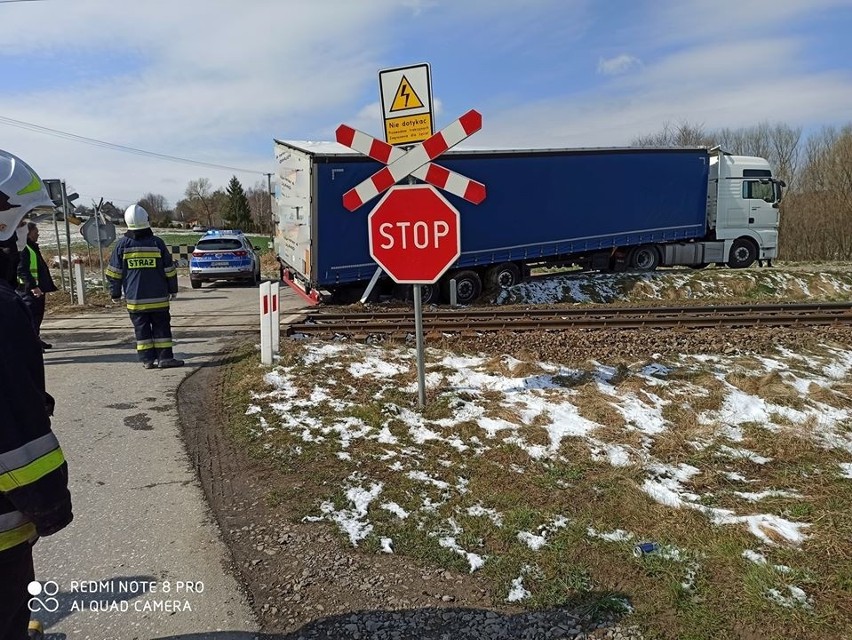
100 246
65 214
59 251
418 339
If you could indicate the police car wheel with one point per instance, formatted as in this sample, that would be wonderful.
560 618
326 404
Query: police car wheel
195 284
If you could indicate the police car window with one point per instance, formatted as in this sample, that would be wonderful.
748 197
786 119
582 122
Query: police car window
219 244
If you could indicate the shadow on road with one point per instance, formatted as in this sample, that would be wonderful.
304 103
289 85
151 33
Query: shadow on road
432 624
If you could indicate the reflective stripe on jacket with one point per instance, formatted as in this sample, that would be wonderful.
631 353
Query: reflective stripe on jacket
142 267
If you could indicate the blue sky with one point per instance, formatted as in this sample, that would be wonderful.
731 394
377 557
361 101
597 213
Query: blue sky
217 80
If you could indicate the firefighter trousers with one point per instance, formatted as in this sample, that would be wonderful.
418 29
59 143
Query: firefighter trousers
153 335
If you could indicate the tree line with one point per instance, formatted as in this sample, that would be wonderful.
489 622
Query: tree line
816 213
233 207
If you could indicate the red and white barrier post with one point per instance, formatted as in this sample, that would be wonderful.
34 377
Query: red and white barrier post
266 323
270 321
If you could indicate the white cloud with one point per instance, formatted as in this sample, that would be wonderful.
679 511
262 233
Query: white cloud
618 64
217 80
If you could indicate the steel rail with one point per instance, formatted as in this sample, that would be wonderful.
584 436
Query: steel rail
836 307
532 323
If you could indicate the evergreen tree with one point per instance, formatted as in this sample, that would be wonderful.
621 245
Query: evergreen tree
238 213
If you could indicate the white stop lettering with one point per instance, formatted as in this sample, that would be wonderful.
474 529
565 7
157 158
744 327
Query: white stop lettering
423 235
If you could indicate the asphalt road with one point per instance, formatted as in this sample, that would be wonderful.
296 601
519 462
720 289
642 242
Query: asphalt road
143 558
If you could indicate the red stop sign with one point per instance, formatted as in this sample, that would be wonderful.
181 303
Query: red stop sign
414 234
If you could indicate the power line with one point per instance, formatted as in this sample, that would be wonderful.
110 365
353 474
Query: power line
117 147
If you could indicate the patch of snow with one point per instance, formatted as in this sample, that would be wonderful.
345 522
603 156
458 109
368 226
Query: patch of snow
517 592
422 476
375 367
474 560
846 469
533 541
395 509
387 545
619 535
351 521
478 510
760 523
797 598
754 556
744 454
769 493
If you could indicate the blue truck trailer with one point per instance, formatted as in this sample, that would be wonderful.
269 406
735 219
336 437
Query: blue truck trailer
625 209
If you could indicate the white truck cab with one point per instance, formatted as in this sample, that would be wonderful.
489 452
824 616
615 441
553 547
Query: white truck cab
742 207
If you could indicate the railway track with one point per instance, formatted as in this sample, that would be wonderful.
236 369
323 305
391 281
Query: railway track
485 320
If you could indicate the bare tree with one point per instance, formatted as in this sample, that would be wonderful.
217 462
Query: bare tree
681 135
199 194
157 207
815 222
261 206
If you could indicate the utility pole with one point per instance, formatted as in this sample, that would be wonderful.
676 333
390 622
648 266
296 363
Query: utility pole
269 192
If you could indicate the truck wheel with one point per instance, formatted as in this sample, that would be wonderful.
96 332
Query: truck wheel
743 254
645 258
195 284
468 286
503 276
429 293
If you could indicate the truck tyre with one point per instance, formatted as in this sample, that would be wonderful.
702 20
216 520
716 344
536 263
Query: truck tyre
468 286
503 276
195 284
429 293
743 253
644 258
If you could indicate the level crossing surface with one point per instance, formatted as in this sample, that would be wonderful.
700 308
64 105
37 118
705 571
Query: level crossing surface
142 532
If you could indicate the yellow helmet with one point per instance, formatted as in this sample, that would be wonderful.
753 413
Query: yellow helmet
21 192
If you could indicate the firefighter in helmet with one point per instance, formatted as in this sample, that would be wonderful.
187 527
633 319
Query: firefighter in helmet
141 266
34 497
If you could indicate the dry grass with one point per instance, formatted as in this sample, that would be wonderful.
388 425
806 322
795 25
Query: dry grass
727 597
598 407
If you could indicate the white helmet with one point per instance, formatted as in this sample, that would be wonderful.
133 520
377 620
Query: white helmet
21 191
136 218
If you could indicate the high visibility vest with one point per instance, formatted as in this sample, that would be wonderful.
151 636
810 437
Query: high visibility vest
33 264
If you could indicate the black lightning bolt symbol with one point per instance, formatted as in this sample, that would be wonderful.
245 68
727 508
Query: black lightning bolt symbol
404 92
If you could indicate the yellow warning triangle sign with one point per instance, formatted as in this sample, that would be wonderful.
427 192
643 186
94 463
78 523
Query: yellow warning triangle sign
406 97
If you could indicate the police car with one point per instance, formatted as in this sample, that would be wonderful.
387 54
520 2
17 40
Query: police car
224 255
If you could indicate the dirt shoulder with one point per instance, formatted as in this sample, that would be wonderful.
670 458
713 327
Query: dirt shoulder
299 578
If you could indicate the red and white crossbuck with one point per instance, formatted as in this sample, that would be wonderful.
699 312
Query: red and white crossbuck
416 161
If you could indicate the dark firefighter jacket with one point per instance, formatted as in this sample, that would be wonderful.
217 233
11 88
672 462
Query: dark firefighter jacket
142 265
33 271
34 497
